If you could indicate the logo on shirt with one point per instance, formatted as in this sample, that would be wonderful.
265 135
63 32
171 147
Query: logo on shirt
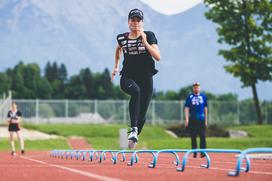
132 41
133 47
123 42
197 100
121 37
13 115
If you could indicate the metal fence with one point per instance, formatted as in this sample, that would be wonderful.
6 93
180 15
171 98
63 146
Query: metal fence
5 103
116 111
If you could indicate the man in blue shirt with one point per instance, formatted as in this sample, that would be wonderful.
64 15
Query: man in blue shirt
196 111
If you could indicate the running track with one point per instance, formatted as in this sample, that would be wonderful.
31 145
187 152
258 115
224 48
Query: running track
39 166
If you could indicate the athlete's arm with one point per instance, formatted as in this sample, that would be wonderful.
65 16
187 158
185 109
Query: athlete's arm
186 111
16 120
117 60
152 49
206 115
9 120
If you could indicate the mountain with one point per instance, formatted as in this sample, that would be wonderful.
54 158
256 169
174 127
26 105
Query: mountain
82 33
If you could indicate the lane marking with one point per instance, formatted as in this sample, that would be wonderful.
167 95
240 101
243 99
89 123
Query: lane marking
105 178
87 174
212 168
253 162
223 169
162 165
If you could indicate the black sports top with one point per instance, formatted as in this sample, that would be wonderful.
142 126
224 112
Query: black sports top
14 115
137 60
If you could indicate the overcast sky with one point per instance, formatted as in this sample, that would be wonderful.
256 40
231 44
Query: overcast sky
170 7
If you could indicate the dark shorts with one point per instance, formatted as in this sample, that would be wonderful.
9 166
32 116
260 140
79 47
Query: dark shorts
13 127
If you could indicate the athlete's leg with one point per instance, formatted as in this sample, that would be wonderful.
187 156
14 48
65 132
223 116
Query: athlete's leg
130 87
193 140
200 128
202 135
193 134
11 141
146 86
21 140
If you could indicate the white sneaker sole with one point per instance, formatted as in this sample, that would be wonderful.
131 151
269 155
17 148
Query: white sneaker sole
131 144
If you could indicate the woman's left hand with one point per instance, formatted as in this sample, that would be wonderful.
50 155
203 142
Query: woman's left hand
143 35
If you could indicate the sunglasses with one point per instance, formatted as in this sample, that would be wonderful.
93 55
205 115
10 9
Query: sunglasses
196 84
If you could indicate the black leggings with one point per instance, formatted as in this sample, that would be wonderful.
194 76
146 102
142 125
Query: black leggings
140 89
197 128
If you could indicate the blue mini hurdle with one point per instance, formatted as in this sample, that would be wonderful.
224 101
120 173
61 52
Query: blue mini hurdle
103 154
244 155
205 151
171 151
123 152
134 159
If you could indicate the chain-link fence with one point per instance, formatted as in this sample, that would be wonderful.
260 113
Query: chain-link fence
116 111
5 103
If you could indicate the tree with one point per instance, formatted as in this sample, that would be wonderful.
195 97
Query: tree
88 82
5 83
17 81
107 84
245 25
184 92
57 77
44 90
228 97
31 75
63 73
75 88
26 82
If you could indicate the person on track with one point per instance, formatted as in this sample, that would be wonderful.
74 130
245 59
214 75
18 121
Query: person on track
14 120
139 47
196 117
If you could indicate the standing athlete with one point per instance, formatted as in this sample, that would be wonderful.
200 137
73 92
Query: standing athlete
139 48
14 120
196 117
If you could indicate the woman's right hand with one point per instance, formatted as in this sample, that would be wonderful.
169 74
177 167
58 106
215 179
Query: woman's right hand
114 72
186 123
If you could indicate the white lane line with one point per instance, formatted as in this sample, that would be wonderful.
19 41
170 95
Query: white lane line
162 165
87 174
221 162
223 169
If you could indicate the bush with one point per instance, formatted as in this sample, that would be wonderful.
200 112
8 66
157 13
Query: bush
46 111
211 131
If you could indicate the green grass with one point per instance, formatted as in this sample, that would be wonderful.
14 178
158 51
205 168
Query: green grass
154 137
83 130
259 131
100 136
228 143
37 144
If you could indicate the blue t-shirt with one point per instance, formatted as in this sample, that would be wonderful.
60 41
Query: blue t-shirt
196 105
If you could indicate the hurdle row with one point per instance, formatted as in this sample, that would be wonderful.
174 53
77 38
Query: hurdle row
100 155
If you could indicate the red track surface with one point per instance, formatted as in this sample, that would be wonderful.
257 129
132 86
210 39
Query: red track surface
39 166
78 143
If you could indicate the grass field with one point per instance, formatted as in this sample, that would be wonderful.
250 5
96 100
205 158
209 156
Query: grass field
37 144
153 137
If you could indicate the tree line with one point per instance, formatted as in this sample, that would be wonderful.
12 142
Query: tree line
28 81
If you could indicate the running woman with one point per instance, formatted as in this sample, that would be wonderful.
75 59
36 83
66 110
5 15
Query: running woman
14 120
139 48
196 117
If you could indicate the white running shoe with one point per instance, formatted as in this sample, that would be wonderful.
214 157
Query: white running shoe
133 138
131 144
